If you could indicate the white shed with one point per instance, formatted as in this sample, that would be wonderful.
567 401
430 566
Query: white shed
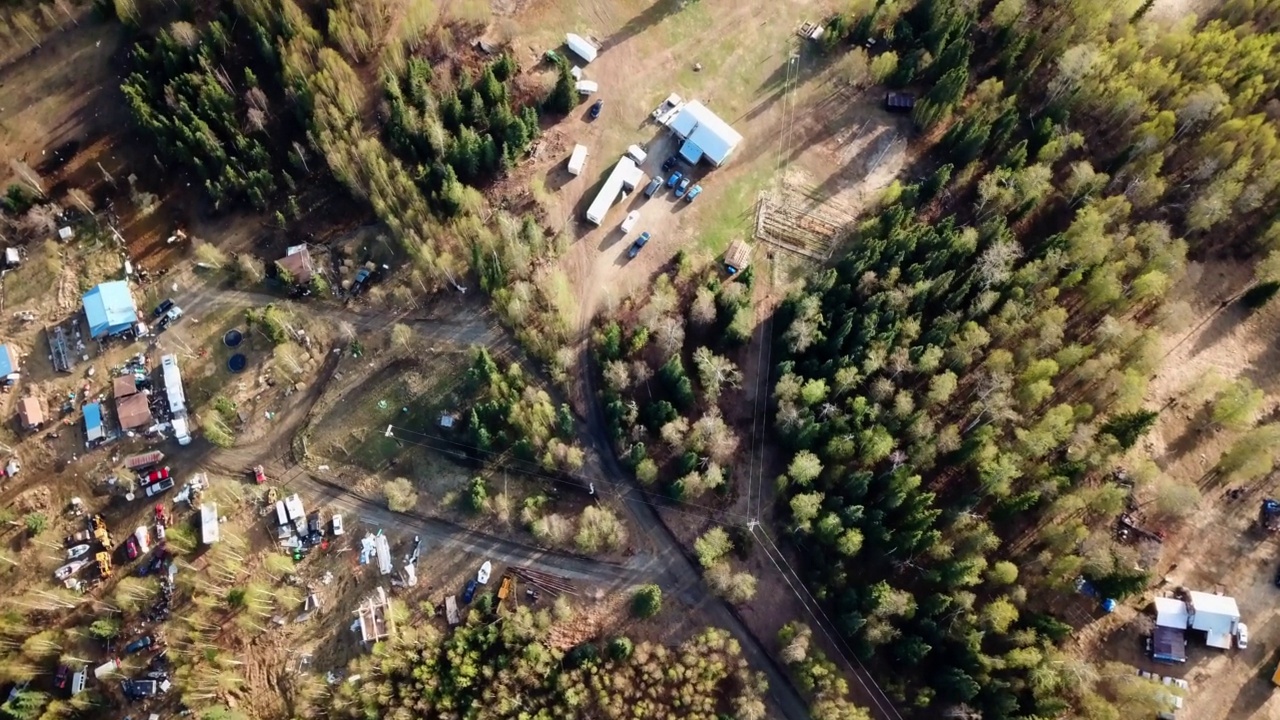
586 87
578 159
582 47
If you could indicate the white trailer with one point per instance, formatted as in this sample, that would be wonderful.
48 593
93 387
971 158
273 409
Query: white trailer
582 47
210 532
586 87
623 172
578 159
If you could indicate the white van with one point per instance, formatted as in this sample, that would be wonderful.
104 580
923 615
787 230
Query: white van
629 223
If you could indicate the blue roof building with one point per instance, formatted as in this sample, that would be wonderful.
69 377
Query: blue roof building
8 361
110 309
93 422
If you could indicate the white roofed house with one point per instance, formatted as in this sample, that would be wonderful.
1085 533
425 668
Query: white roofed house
705 135
1215 615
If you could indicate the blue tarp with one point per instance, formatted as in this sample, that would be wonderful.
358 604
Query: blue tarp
109 308
8 363
93 421
691 152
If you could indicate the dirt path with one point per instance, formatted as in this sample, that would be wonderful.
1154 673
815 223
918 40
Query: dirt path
461 321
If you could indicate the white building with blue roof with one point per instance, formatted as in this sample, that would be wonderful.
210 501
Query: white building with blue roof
110 310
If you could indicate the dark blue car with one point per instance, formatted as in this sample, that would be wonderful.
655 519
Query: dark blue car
638 245
469 594
596 108
141 643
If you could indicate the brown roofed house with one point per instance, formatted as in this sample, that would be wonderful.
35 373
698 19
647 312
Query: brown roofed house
124 386
31 412
133 411
297 262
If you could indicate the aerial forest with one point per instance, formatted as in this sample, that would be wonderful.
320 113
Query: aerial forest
955 394
507 666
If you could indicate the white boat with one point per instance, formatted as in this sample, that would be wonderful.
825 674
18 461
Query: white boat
482 577
69 569
77 551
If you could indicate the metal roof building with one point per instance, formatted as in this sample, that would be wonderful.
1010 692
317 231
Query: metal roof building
8 361
1216 615
133 411
110 309
705 135
31 412
93 422
297 262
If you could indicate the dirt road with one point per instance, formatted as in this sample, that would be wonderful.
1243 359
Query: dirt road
458 320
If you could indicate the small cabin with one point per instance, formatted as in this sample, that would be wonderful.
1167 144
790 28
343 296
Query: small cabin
737 257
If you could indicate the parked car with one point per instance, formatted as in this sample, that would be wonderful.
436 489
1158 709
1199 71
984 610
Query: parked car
1242 636
669 163
174 313
682 188
653 186
64 674
146 479
337 525
638 245
140 689
675 178
469 593
629 222
139 645
694 192
315 524
131 547
163 308
157 488
156 564
596 107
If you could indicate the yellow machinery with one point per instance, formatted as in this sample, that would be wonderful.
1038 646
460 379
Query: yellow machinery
104 564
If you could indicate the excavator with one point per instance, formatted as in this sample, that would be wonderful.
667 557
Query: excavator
100 532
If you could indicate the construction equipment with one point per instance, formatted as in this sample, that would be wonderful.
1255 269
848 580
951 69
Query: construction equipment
104 564
505 588
100 532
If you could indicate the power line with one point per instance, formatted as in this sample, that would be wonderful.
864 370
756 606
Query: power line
864 677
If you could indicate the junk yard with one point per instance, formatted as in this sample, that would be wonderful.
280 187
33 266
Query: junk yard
872 360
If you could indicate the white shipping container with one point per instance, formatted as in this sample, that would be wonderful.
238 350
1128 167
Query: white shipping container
578 159
581 46
586 87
